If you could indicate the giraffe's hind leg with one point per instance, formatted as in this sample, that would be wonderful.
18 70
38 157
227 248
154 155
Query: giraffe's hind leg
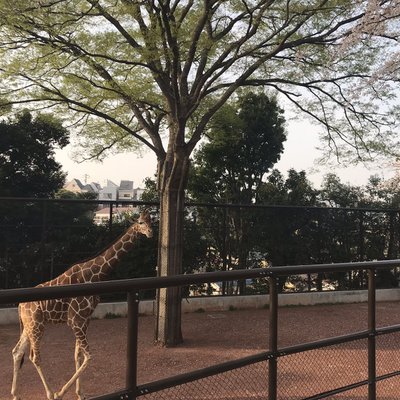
18 357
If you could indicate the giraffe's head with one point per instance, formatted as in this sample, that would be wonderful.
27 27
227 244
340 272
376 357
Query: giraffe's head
144 223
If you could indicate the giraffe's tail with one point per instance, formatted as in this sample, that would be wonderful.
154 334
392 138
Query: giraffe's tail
21 329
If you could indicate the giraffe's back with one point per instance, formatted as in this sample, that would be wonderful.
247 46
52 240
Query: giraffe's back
65 310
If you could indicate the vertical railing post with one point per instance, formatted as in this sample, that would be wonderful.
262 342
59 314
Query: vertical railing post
224 252
110 220
132 344
43 240
372 334
361 246
273 339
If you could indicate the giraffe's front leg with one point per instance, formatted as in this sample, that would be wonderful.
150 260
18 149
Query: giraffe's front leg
35 358
81 348
78 363
59 395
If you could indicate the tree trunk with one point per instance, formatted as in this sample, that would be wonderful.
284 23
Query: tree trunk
172 184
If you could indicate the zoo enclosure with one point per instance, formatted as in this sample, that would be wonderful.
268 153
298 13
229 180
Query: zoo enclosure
263 378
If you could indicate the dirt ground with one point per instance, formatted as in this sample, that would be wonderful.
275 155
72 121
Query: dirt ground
212 338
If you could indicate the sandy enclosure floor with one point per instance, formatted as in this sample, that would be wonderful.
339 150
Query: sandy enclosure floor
211 338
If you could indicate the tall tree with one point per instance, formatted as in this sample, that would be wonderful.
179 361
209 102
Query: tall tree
155 72
27 164
245 139
27 169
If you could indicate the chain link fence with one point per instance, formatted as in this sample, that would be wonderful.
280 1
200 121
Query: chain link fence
307 374
310 374
249 382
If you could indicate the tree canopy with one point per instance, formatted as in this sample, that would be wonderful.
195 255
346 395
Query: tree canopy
245 140
27 164
131 70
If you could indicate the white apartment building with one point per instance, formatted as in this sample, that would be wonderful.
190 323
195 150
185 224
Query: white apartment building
111 191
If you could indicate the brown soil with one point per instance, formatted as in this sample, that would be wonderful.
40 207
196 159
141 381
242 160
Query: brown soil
211 338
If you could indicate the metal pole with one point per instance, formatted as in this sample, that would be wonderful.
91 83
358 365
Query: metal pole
361 247
224 252
372 334
132 344
273 339
43 241
110 220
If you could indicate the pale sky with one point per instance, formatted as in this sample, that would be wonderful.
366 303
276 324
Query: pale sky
300 153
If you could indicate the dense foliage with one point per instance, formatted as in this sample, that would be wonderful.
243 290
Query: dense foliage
244 141
282 233
294 223
27 164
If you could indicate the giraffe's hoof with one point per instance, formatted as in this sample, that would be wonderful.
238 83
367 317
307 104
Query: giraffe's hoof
57 396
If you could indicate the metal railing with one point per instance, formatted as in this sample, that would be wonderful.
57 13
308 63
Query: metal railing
266 365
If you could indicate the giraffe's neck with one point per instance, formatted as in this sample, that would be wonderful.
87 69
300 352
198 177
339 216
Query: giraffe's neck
111 256
100 267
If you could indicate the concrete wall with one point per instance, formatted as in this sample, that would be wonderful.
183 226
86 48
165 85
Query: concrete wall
223 303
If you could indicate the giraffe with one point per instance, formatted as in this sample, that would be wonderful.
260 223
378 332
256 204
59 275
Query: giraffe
75 312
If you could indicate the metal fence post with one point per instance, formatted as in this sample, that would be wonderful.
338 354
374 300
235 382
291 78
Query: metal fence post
110 220
273 339
372 334
132 344
43 239
361 246
224 252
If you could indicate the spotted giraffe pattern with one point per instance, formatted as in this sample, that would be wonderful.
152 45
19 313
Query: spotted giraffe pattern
75 312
